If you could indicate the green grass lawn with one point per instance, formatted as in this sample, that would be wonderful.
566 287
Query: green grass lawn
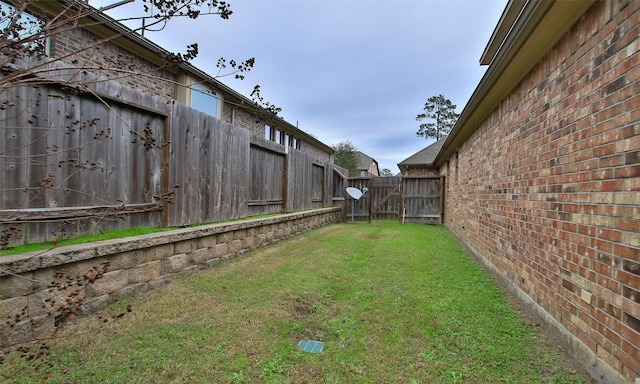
392 303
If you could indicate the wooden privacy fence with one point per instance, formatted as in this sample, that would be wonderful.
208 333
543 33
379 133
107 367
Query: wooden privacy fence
75 162
408 199
226 173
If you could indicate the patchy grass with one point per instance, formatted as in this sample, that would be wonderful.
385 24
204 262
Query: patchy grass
393 304
108 235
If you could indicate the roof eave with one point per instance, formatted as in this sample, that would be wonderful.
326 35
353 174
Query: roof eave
506 22
539 25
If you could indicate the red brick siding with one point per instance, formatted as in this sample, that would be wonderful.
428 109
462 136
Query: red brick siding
547 188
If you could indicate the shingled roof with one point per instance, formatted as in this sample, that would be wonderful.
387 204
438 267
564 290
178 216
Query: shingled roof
425 156
365 162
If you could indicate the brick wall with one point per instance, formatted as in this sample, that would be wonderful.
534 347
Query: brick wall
422 171
547 189
135 265
104 57
256 126
240 117
314 151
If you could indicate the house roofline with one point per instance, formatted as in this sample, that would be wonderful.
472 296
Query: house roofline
535 29
507 19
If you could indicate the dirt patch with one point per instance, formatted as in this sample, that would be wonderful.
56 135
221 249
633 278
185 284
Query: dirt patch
307 304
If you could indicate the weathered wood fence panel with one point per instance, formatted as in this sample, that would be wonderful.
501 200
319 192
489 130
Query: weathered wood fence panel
209 166
298 181
421 199
327 184
339 184
340 179
358 209
75 163
317 185
268 177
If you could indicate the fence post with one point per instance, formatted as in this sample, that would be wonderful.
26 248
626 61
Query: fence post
285 182
164 182
370 197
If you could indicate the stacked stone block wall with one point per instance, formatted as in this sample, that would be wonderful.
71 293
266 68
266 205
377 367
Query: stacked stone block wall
546 191
136 265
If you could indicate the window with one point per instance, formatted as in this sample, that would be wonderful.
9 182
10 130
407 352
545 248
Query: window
281 137
205 100
269 134
277 135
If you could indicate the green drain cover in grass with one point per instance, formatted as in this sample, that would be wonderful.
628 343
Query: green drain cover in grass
311 346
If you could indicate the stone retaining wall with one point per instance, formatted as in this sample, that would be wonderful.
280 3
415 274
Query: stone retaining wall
136 264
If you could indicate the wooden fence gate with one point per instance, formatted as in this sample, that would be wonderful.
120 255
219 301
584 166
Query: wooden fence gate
386 198
408 199
422 199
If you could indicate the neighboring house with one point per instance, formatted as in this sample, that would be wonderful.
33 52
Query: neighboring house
367 166
543 173
115 45
421 162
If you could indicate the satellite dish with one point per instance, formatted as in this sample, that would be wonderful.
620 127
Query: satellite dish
354 193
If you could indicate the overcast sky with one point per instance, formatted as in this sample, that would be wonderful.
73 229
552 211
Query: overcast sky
358 70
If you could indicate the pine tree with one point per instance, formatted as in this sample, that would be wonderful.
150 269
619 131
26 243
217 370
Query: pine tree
443 112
